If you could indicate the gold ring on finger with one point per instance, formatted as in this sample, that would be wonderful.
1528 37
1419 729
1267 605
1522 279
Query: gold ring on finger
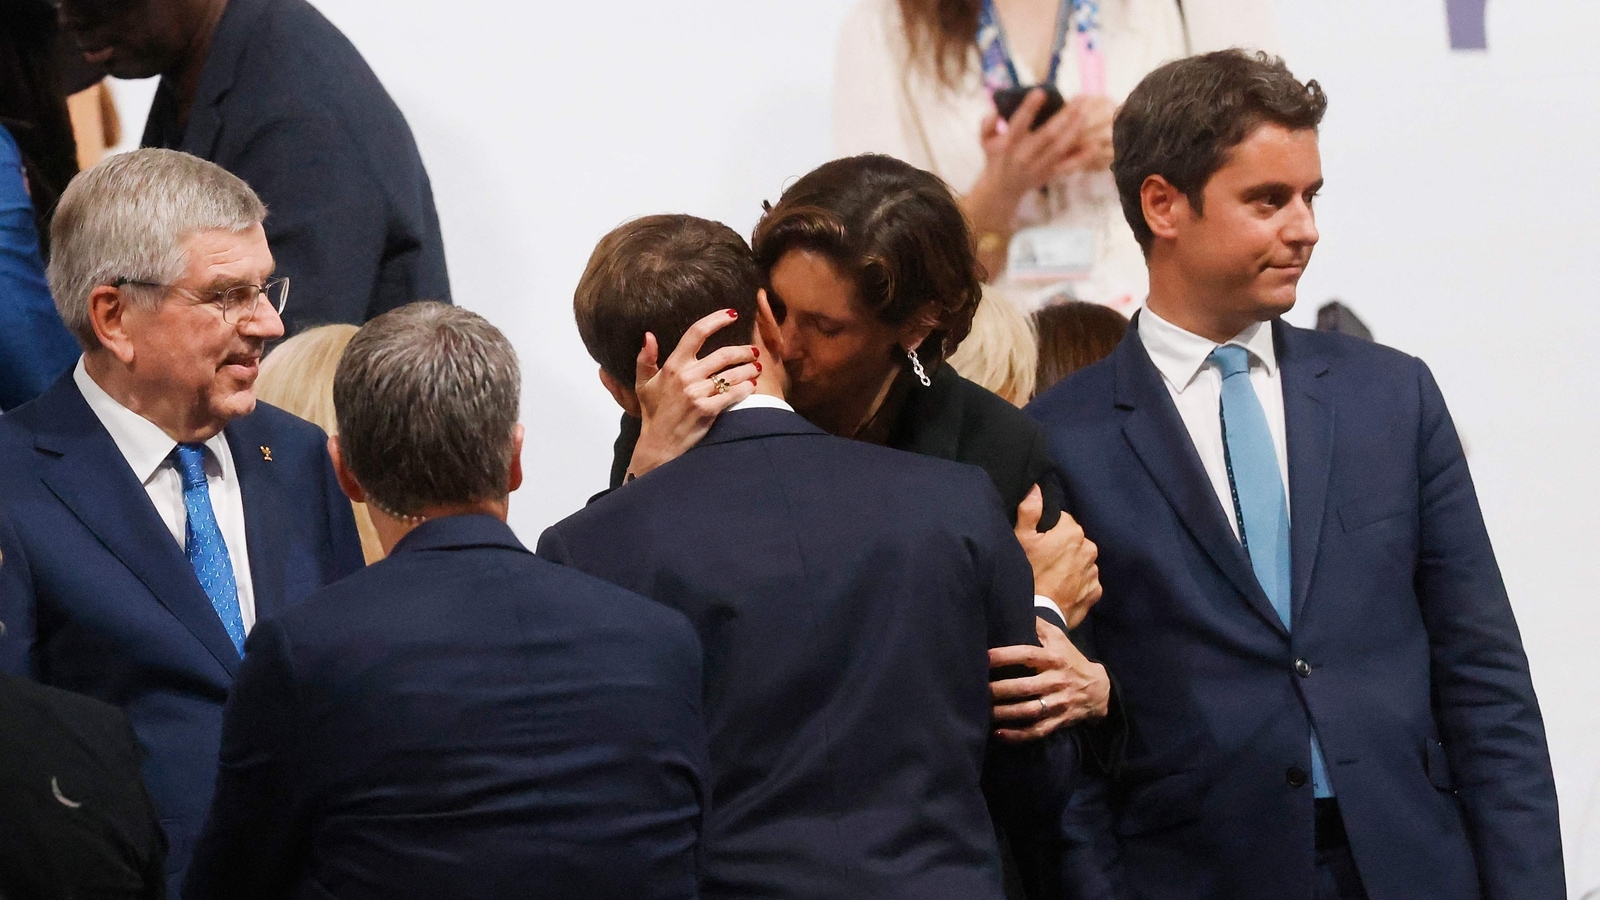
720 385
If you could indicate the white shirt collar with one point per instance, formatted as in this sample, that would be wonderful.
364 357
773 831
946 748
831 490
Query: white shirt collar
142 442
1180 354
761 401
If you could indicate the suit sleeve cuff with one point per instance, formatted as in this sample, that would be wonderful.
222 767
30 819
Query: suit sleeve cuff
1047 609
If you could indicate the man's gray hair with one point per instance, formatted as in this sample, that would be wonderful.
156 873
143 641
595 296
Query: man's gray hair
127 218
426 400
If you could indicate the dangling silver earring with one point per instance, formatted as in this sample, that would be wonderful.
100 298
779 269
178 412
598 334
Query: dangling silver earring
916 366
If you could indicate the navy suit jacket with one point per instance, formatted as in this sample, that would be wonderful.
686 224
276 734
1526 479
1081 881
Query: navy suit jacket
35 348
462 719
112 607
286 102
1414 676
846 596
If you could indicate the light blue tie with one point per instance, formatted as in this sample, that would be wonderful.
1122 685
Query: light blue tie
1258 499
203 544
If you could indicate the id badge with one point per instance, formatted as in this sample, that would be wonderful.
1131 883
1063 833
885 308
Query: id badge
1050 253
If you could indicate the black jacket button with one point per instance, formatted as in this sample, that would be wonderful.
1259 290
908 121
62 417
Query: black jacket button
1302 668
1296 776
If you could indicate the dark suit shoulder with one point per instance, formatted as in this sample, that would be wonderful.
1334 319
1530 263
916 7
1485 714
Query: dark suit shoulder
379 593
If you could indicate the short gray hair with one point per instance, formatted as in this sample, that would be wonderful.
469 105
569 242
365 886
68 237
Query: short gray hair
127 218
426 399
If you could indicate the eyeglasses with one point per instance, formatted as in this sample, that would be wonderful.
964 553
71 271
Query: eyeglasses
237 303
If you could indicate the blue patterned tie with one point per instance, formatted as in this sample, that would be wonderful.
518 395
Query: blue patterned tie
1258 498
203 544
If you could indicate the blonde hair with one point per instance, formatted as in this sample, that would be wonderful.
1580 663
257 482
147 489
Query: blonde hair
1001 352
298 377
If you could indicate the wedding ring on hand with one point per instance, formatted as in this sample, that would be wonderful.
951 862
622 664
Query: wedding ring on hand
1044 708
720 385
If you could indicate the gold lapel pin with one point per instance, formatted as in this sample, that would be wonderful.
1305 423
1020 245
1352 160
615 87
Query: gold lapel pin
266 453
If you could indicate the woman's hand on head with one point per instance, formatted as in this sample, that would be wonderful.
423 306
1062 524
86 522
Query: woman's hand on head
679 399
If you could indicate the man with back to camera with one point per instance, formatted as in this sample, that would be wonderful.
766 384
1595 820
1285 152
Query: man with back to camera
461 719
1326 691
845 595
161 510
271 91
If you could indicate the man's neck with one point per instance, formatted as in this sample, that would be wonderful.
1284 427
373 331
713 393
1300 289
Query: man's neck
391 527
119 386
186 74
1181 303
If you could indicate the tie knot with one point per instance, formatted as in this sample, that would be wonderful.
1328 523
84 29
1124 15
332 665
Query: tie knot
191 459
1231 360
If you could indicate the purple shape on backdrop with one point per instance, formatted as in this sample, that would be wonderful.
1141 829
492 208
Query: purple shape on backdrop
1467 31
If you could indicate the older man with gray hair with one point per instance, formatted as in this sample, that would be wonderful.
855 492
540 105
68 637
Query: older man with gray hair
462 718
162 511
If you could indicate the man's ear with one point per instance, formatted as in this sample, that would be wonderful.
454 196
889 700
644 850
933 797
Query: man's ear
624 395
1164 206
515 481
341 471
108 307
767 328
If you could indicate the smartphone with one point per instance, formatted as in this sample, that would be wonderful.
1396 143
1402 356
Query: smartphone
1006 101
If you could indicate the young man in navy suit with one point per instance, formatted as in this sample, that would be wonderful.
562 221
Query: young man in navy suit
161 509
1326 692
846 596
461 719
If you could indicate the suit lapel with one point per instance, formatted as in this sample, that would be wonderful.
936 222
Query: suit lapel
93 480
1308 426
1160 440
264 517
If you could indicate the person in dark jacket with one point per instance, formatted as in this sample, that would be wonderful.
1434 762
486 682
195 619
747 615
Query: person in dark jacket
845 596
461 719
77 820
272 92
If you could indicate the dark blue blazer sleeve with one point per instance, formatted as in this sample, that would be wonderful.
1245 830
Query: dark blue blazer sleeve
329 223
255 841
35 348
1489 718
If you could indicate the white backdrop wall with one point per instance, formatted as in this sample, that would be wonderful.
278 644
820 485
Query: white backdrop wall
1459 219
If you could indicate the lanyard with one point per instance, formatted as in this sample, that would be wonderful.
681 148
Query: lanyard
1079 19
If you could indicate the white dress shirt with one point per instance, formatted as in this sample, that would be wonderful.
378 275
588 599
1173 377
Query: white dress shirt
148 451
1196 388
760 401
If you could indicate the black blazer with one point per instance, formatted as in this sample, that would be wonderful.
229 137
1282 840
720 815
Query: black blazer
287 103
461 719
952 419
846 596
76 820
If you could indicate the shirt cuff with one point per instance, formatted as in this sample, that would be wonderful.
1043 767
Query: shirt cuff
1040 601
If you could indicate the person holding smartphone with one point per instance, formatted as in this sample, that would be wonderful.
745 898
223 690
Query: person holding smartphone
919 80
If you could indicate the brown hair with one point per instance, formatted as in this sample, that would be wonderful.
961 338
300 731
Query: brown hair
426 399
661 274
1184 118
894 231
941 34
1072 335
